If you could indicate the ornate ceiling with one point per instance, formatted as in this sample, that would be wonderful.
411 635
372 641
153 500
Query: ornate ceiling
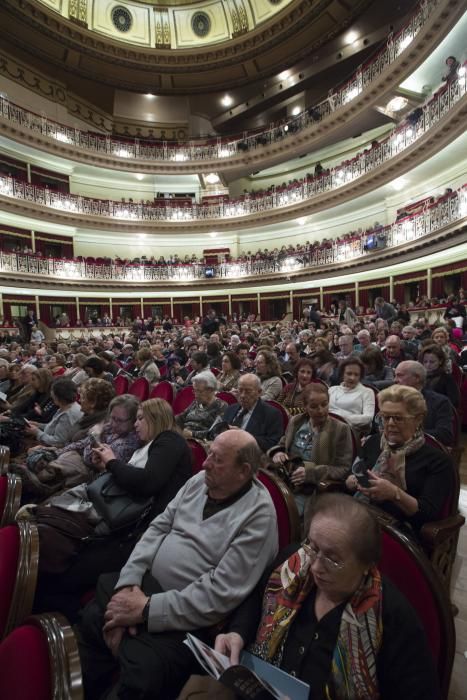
175 48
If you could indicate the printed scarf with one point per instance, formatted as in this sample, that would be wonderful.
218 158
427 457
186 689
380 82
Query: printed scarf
353 668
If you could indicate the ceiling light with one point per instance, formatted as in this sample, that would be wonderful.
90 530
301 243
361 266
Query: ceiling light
213 234
350 37
139 176
296 111
301 221
396 104
180 156
224 153
212 178
284 75
399 184
123 153
149 95
141 235
227 101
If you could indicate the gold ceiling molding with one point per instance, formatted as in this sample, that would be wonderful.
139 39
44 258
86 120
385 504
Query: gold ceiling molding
259 48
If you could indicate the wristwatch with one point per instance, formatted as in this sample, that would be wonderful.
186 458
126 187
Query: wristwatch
145 613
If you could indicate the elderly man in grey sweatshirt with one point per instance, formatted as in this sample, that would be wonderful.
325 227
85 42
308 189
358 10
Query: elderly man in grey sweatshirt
193 566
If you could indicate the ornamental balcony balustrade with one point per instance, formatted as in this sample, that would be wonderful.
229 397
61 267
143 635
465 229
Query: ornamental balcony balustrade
401 138
223 148
446 210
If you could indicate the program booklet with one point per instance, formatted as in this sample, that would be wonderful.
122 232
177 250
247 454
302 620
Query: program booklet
252 679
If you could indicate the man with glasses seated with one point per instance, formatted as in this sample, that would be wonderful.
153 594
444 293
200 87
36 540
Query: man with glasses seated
326 615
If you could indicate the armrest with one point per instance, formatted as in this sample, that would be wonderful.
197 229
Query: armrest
434 533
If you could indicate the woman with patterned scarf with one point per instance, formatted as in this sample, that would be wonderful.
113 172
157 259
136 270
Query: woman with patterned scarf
397 470
329 618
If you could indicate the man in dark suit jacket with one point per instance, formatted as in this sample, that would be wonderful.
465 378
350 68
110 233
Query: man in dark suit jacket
255 416
439 420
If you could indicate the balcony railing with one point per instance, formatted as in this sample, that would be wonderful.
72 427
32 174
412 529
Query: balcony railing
446 210
402 137
227 147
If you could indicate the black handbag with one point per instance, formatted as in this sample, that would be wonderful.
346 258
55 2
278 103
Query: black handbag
118 508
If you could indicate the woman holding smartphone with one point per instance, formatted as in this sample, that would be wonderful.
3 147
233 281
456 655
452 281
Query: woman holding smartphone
323 443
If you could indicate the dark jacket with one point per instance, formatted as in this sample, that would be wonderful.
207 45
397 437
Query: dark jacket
265 423
439 421
428 474
168 467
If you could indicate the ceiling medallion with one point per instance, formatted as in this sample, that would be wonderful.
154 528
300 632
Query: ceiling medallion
121 18
201 24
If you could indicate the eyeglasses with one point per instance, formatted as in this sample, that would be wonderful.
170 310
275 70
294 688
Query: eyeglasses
398 420
119 420
329 564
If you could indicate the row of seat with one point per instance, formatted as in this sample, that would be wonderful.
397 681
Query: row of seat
48 642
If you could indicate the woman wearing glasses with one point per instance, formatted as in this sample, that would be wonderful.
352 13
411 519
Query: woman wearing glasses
323 444
325 614
398 471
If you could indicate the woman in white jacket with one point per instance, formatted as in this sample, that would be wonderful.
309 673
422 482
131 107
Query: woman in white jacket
350 399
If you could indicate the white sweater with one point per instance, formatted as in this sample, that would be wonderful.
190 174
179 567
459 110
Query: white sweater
205 567
356 405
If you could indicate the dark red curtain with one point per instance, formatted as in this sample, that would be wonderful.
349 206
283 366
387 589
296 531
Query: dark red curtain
437 286
399 293
364 298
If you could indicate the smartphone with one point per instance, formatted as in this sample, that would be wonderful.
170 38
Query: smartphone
94 441
363 480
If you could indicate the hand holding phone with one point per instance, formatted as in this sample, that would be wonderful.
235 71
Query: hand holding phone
94 441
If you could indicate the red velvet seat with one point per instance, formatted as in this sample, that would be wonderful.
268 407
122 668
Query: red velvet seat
283 411
288 519
183 399
163 390
227 396
40 661
120 384
19 551
457 374
10 498
410 571
140 388
198 454
163 370
215 371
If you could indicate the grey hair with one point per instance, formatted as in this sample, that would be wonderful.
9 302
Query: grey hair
364 332
417 369
129 402
254 377
252 455
207 377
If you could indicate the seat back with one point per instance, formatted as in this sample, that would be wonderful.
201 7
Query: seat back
450 506
198 454
227 396
408 568
163 370
48 644
19 556
120 384
288 519
164 390
283 411
10 498
183 399
140 388
457 374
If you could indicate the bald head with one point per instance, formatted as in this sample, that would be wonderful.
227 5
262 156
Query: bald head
393 345
232 461
410 373
249 390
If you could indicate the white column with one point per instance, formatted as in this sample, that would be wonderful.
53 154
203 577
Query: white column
429 282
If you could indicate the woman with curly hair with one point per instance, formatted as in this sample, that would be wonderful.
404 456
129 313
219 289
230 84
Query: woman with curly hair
269 372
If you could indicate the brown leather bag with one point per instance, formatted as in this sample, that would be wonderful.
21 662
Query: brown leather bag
62 535
205 688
